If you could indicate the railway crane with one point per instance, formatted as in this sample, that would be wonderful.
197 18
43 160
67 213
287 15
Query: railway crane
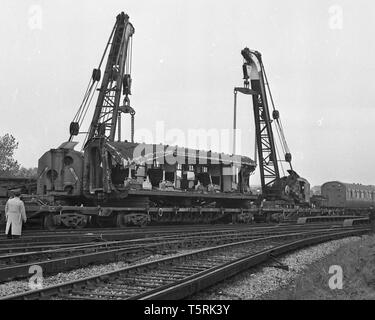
291 188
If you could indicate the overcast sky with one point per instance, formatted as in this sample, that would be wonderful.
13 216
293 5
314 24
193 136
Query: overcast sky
319 57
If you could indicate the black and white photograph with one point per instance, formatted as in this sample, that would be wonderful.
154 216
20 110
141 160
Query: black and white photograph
189 154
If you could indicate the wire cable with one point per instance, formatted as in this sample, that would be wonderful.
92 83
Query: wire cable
279 127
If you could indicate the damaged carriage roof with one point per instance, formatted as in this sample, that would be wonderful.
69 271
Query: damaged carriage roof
129 153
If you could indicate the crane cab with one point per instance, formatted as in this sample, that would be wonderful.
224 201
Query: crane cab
60 171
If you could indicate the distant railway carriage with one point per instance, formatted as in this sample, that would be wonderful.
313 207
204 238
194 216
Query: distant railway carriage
337 194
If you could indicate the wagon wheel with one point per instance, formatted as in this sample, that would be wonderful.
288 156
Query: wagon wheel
120 220
49 222
100 222
81 223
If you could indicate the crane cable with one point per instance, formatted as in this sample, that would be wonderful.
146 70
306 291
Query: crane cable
83 106
279 126
131 55
80 123
278 121
128 70
88 96
281 162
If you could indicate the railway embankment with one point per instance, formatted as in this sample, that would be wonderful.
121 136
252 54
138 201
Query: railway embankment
305 274
357 261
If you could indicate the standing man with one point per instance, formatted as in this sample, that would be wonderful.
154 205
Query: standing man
14 214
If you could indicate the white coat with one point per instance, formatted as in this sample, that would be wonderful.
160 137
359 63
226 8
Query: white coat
14 214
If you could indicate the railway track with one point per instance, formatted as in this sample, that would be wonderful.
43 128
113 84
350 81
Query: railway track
86 235
183 275
69 239
63 238
16 264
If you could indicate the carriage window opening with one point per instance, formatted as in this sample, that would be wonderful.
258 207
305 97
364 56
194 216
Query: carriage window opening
179 174
215 180
190 175
169 176
156 164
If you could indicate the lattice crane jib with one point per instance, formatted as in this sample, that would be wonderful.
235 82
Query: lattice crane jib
253 71
107 108
115 85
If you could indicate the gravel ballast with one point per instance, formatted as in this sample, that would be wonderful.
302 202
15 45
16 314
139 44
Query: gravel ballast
266 278
14 287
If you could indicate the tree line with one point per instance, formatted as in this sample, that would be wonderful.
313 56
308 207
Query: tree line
9 167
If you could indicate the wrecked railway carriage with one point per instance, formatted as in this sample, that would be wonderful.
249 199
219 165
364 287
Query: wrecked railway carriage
127 180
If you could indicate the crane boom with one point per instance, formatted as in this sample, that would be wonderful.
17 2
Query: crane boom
253 71
291 188
108 110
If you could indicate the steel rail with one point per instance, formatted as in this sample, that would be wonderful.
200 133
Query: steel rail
192 283
66 240
80 236
105 252
118 234
29 234
14 248
198 282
